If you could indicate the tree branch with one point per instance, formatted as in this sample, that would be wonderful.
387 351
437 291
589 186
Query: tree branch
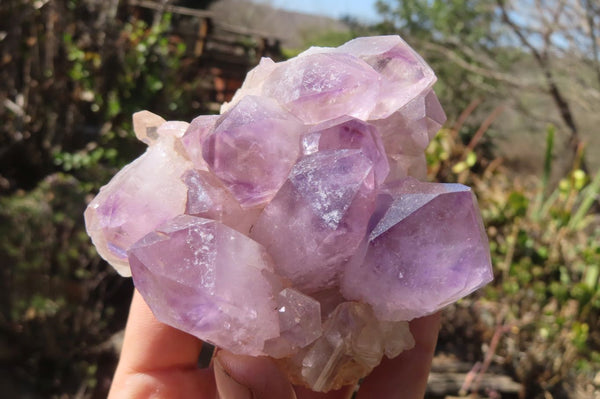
488 73
589 13
559 100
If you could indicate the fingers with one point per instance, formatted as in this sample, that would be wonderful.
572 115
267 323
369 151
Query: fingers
245 377
405 376
164 384
161 361
158 360
151 345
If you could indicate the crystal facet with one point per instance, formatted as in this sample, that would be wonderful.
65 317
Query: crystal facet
219 281
319 87
194 137
318 218
141 196
208 198
145 126
349 133
239 153
428 250
292 224
299 323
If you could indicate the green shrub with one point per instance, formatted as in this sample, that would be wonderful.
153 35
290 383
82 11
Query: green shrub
545 247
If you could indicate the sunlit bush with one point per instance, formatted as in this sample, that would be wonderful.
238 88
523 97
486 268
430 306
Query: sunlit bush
545 246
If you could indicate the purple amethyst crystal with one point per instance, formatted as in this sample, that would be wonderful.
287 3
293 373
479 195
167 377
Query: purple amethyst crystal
428 250
252 149
207 279
318 87
349 133
317 219
292 224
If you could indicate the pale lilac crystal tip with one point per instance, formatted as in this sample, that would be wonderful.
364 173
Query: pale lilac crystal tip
145 126
319 87
293 224
208 280
194 137
349 133
142 195
252 148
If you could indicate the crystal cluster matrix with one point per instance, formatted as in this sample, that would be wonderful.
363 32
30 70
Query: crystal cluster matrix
296 224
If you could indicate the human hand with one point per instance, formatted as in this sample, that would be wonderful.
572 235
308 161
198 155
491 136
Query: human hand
159 361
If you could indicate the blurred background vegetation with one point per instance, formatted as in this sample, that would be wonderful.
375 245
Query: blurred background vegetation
520 82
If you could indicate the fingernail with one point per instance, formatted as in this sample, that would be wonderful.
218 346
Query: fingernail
227 387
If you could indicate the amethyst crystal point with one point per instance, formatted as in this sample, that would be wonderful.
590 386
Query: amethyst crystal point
405 75
406 134
142 195
208 198
349 133
194 136
428 250
252 149
435 114
318 218
253 83
210 281
145 126
319 87
402 73
299 323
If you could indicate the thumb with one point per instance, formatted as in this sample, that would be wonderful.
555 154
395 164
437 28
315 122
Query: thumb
246 377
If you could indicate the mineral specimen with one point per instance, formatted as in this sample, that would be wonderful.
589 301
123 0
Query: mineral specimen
293 225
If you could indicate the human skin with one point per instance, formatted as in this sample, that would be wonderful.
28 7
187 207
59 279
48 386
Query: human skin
159 361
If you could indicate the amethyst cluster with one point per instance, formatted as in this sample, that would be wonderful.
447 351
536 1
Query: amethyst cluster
294 224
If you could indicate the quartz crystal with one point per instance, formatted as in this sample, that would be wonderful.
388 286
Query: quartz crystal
318 87
194 137
349 133
299 323
207 197
141 196
296 224
238 153
145 126
353 342
428 250
318 217
218 280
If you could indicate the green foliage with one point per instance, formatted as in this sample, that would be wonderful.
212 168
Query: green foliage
545 247
30 225
456 38
468 20
53 288
148 69
59 301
